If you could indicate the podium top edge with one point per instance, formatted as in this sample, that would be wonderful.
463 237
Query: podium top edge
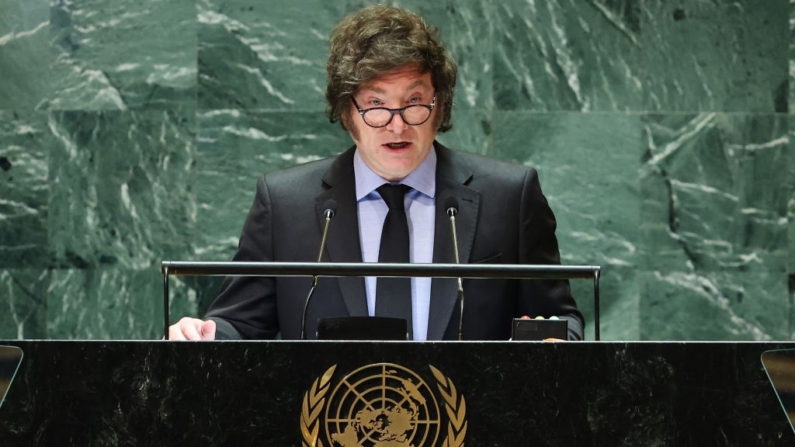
515 271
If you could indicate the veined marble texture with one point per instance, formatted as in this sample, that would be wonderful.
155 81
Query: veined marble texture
25 53
113 303
257 56
714 306
715 55
568 55
23 303
25 141
123 188
715 189
123 54
134 132
791 201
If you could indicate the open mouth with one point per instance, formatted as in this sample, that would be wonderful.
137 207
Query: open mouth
400 145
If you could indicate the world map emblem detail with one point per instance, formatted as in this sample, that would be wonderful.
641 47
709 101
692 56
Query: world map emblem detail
383 405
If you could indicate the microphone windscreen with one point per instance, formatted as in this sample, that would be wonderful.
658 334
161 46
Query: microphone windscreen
330 208
451 205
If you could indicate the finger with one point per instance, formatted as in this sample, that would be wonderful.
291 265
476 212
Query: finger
190 328
208 330
174 332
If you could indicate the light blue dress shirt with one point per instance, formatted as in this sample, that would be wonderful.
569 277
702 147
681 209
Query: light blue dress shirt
420 206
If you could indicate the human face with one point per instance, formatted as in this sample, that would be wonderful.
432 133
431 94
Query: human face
394 151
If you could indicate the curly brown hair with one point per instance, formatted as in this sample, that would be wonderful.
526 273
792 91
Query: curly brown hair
376 40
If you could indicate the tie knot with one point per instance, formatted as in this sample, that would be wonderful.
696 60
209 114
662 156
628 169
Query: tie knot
393 195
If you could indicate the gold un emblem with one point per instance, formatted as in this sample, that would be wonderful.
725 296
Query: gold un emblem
382 405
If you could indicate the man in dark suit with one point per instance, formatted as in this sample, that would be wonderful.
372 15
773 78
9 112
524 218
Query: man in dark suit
391 86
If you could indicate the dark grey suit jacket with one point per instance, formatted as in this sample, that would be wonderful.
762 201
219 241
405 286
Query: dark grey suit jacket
503 218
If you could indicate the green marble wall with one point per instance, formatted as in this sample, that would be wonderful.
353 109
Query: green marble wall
133 132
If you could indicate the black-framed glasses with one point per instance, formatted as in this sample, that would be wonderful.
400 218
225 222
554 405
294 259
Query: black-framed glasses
413 115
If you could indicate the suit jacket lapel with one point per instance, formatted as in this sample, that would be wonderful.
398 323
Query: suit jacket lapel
451 180
342 243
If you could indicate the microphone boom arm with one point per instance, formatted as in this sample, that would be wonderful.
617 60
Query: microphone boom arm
328 214
452 211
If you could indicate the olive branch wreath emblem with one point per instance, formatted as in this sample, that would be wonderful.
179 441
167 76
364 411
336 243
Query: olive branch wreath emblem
456 410
315 400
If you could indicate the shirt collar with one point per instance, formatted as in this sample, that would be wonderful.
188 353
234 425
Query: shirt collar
422 179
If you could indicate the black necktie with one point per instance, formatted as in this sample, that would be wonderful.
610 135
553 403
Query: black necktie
393 295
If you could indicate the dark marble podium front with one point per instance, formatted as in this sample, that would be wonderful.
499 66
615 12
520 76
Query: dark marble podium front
110 393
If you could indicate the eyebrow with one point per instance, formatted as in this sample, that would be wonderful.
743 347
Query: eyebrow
414 84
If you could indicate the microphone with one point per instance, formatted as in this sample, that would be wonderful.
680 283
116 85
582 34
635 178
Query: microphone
451 203
330 209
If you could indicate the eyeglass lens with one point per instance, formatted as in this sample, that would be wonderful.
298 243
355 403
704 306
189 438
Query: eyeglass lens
412 115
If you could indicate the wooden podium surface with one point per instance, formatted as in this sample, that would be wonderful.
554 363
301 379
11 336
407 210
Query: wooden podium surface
136 393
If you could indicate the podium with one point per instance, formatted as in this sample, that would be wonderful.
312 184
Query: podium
280 393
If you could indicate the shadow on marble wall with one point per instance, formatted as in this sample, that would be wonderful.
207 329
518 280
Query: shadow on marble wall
134 132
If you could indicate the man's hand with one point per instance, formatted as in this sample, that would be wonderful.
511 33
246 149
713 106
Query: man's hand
192 329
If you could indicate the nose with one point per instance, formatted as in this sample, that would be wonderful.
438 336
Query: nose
397 125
